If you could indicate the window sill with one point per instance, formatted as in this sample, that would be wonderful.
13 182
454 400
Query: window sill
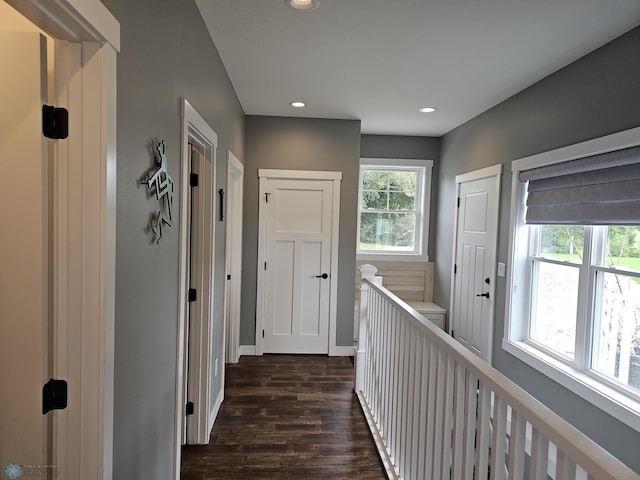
619 406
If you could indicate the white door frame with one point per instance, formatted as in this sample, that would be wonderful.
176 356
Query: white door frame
264 175
235 188
196 131
492 171
84 221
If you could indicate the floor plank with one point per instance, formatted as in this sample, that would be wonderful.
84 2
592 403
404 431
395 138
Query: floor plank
287 417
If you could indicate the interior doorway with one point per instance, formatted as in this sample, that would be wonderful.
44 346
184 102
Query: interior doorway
297 261
234 196
65 318
474 264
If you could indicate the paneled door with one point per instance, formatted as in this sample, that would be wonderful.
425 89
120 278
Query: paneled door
297 267
474 267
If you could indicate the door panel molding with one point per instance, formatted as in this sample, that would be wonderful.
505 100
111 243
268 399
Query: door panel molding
459 265
272 174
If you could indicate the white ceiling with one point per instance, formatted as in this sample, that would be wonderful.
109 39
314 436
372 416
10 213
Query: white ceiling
381 60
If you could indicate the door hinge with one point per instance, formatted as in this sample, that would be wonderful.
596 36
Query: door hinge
265 265
193 294
55 122
228 277
455 269
54 395
189 409
193 180
262 333
458 202
266 197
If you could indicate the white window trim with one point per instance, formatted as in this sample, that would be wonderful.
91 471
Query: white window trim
613 402
425 208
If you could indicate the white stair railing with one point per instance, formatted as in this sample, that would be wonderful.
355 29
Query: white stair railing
436 411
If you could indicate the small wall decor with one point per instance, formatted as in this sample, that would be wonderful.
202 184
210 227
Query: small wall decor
161 182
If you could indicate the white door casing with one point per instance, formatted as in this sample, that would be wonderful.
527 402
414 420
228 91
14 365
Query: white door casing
298 244
195 373
86 38
474 261
234 197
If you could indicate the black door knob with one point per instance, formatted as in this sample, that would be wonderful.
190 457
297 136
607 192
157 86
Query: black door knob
324 275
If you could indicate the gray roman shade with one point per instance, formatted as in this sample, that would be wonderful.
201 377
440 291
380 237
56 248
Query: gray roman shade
601 189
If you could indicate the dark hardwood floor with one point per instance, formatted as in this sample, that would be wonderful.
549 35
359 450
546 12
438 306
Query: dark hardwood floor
287 417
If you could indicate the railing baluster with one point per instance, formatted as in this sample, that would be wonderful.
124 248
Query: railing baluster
401 423
483 431
449 402
431 408
458 423
422 415
440 414
412 397
517 441
539 456
470 425
499 438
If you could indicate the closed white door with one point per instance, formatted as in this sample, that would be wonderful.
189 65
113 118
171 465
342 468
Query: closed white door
475 259
24 252
297 267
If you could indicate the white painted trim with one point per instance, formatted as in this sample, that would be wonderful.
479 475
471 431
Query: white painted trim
299 174
215 409
608 143
487 172
342 351
72 20
609 400
492 171
196 130
619 406
235 181
336 177
247 350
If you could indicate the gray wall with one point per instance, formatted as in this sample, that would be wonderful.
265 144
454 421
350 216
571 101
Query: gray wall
167 53
419 148
301 144
597 95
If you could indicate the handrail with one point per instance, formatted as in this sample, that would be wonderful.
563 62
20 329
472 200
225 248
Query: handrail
425 395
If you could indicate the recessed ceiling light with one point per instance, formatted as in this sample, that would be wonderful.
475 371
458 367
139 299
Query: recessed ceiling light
302 4
428 109
297 104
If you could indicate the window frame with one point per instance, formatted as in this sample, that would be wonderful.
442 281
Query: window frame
423 204
585 382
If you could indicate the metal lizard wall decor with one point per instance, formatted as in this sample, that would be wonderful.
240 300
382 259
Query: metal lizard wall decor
161 182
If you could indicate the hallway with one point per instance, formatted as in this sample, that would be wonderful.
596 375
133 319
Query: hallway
287 417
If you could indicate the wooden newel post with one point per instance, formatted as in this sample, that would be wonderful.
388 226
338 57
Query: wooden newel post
367 272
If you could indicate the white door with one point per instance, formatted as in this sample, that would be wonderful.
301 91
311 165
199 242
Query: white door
24 251
297 268
472 306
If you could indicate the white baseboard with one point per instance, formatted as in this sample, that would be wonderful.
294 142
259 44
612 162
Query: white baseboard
337 351
342 351
215 409
247 350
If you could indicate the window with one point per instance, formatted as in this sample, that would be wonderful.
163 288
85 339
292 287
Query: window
393 209
573 307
